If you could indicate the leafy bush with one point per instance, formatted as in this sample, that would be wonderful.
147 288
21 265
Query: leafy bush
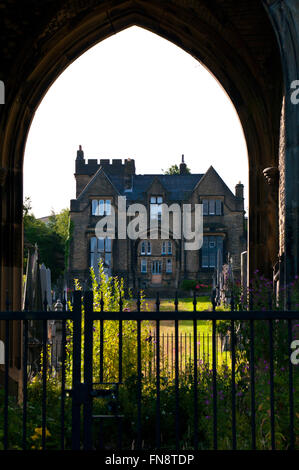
192 284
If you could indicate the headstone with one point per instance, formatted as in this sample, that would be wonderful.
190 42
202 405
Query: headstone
45 279
244 271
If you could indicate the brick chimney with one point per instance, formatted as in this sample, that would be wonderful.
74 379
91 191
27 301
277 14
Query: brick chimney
80 153
183 167
239 190
129 172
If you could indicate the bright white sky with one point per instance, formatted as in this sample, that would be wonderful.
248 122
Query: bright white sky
133 95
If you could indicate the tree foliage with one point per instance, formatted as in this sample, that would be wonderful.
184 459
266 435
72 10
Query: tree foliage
50 238
60 223
175 170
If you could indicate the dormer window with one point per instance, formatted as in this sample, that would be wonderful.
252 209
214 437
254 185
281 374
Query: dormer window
156 207
212 206
100 207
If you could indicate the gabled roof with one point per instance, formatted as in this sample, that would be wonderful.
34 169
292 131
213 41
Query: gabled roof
93 180
211 171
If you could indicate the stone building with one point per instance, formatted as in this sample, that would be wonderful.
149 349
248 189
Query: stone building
152 264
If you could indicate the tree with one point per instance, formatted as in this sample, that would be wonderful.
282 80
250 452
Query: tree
174 170
60 223
50 239
63 226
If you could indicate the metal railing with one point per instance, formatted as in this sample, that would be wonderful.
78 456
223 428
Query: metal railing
89 390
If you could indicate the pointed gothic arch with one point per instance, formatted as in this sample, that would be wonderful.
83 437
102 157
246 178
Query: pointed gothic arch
235 41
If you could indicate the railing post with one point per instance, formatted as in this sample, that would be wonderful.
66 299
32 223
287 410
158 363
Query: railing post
76 403
88 367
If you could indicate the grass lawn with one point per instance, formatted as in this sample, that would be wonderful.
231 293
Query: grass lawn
185 305
167 331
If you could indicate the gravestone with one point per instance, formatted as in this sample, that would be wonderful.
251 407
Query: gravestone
244 271
45 280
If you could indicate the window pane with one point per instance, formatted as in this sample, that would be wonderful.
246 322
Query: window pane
149 248
159 199
169 248
108 207
157 267
94 207
93 244
153 200
205 261
101 207
94 261
205 253
205 242
205 208
142 251
163 248
91 260
212 260
143 266
218 207
108 259
108 244
220 243
212 207
154 211
101 244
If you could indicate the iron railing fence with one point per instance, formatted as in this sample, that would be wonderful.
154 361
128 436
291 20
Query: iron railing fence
180 407
204 343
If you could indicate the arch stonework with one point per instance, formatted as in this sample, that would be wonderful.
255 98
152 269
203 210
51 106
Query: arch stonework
244 45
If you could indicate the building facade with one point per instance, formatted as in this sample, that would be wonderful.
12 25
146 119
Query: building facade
159 264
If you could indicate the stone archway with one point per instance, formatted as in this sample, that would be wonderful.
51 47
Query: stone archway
234 40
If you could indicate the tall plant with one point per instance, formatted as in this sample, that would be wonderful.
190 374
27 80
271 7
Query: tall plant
109 293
